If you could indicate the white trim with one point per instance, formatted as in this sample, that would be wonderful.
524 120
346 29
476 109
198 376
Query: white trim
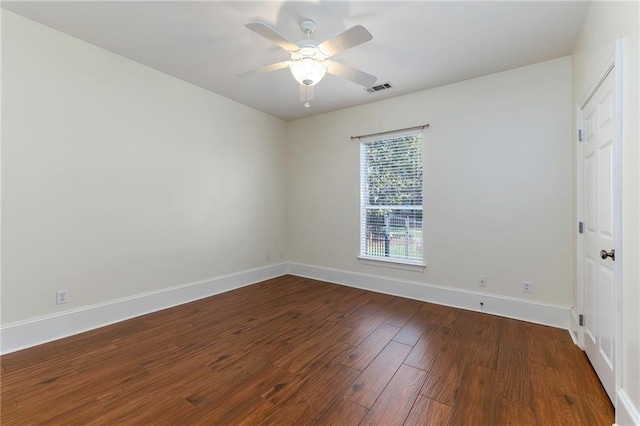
579 218
617 225
392 262
555 316
626 413
24 334
364 189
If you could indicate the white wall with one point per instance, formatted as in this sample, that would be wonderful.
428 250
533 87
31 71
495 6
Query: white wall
497 193
119 180
605 22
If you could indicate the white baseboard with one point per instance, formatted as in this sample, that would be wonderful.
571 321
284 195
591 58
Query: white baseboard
555 316
25 334
626 413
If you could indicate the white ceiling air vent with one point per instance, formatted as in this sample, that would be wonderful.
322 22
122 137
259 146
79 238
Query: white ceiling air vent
379 87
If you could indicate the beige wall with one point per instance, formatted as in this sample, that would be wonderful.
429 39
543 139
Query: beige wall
497 183
604 23
119 180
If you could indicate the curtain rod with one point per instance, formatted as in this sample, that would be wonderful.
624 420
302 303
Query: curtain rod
391 131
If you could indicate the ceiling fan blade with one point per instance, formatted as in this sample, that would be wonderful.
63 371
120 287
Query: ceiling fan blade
357 76
266 68
272 35
306 93
352 37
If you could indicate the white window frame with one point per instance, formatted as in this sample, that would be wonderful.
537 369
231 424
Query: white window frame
387 260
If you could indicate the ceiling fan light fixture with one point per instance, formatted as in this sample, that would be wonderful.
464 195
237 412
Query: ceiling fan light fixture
308 71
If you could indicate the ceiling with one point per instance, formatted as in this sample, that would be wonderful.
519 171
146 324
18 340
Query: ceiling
416 45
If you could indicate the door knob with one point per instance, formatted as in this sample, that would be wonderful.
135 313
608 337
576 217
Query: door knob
611 254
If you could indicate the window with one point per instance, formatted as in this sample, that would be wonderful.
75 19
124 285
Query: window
391 197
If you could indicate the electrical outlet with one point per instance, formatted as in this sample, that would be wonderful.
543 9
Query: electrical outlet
526 286
281 255
482 281
268 257
62 296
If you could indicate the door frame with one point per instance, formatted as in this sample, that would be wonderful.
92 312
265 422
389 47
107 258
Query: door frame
614 65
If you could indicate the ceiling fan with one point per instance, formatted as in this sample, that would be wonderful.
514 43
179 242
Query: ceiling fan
310 59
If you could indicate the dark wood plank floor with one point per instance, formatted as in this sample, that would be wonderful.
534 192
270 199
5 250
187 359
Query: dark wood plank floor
297 351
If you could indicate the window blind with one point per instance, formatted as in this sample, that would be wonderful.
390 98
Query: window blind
391 197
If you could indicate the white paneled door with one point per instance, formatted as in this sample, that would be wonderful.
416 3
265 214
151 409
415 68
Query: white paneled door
598 257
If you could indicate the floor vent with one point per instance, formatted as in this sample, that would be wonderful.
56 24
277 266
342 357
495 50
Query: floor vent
379 87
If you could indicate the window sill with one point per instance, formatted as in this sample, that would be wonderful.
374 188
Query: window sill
393 263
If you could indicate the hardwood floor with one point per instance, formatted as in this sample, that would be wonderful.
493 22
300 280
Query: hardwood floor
298 351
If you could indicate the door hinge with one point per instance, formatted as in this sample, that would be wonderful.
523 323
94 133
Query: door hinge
579 135
581 320
581 227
